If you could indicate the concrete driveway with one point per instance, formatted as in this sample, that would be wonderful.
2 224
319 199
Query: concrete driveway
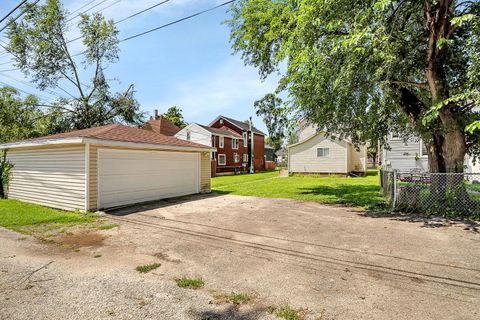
333 262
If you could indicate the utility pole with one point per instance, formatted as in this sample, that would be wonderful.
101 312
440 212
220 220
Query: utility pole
252 153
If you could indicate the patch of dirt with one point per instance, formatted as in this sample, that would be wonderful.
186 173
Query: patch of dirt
83 238
165 257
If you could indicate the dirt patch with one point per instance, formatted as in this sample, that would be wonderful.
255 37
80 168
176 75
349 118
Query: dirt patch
165 257
83 238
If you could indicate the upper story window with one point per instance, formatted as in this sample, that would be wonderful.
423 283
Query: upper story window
221 142
188 135
234 143
245 139
323 152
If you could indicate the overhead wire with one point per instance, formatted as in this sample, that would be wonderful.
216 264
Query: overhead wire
13 10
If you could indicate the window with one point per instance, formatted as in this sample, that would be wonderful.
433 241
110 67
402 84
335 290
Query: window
236 158
222 159
323 152
423 149
395 136
188 135
245 139
234 143
245 157
221 142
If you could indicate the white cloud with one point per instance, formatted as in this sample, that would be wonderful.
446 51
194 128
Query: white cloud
229 90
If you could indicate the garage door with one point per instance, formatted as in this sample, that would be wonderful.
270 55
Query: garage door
127 176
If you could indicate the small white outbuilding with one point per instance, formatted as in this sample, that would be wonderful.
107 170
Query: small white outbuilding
318 152
106 167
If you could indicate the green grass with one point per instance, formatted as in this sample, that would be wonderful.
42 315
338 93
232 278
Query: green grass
234 297
107 226
148 267
287 313
359 191
18 216
190 283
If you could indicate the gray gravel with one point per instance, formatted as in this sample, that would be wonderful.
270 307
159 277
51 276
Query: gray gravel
337 263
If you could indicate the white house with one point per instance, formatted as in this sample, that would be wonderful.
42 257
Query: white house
407 154
318 152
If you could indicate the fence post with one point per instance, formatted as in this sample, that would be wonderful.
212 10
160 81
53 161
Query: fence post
394 204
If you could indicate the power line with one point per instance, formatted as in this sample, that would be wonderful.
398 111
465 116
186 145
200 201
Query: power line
78 9
126 18
78 15
13 10
142 11
19 15
177 21
26 83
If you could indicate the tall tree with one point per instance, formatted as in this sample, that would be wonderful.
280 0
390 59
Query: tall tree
274 115
174 114
366 68
40 49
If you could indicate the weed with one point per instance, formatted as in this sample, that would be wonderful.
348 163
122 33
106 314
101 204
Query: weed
190 283
148 267
107 226
287 312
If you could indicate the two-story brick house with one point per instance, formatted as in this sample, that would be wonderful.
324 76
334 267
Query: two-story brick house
233 141
255 146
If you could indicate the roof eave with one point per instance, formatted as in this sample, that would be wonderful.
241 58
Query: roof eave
112 143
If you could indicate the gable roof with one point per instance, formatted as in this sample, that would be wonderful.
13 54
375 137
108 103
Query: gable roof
111 132
241 125
317 133
162 125
220 131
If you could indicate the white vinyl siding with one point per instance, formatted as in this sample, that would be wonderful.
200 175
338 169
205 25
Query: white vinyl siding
131 176
357 158
303 157
401 155
194 133
53 177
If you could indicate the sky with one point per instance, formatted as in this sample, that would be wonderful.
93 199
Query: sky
190 64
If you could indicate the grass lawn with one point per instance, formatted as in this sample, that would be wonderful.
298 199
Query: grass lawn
21 216
360 191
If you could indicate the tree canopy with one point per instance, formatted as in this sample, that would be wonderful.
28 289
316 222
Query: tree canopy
174 114
41 50
274 115
368 68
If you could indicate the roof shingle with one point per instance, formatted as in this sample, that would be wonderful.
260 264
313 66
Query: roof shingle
119 132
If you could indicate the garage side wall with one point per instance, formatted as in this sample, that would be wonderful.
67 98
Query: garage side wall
205 172
53 177
93 178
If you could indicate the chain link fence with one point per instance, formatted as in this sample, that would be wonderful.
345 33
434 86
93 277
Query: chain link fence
445 194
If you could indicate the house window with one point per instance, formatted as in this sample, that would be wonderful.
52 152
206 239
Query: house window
234 143
188 135
221 142
236 158
423 149
245 139
245 157
222 160
323 152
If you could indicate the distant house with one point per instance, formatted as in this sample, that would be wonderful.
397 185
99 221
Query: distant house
410 154
269 153
231 156
281 155
162 125
232 138
255 147
318 152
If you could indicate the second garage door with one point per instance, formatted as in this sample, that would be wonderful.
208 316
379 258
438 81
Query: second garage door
130 176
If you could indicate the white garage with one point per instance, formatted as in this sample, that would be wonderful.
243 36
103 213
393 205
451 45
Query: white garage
131 176
106 167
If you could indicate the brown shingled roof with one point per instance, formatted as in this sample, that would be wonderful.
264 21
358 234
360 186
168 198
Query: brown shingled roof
119 132
162 125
